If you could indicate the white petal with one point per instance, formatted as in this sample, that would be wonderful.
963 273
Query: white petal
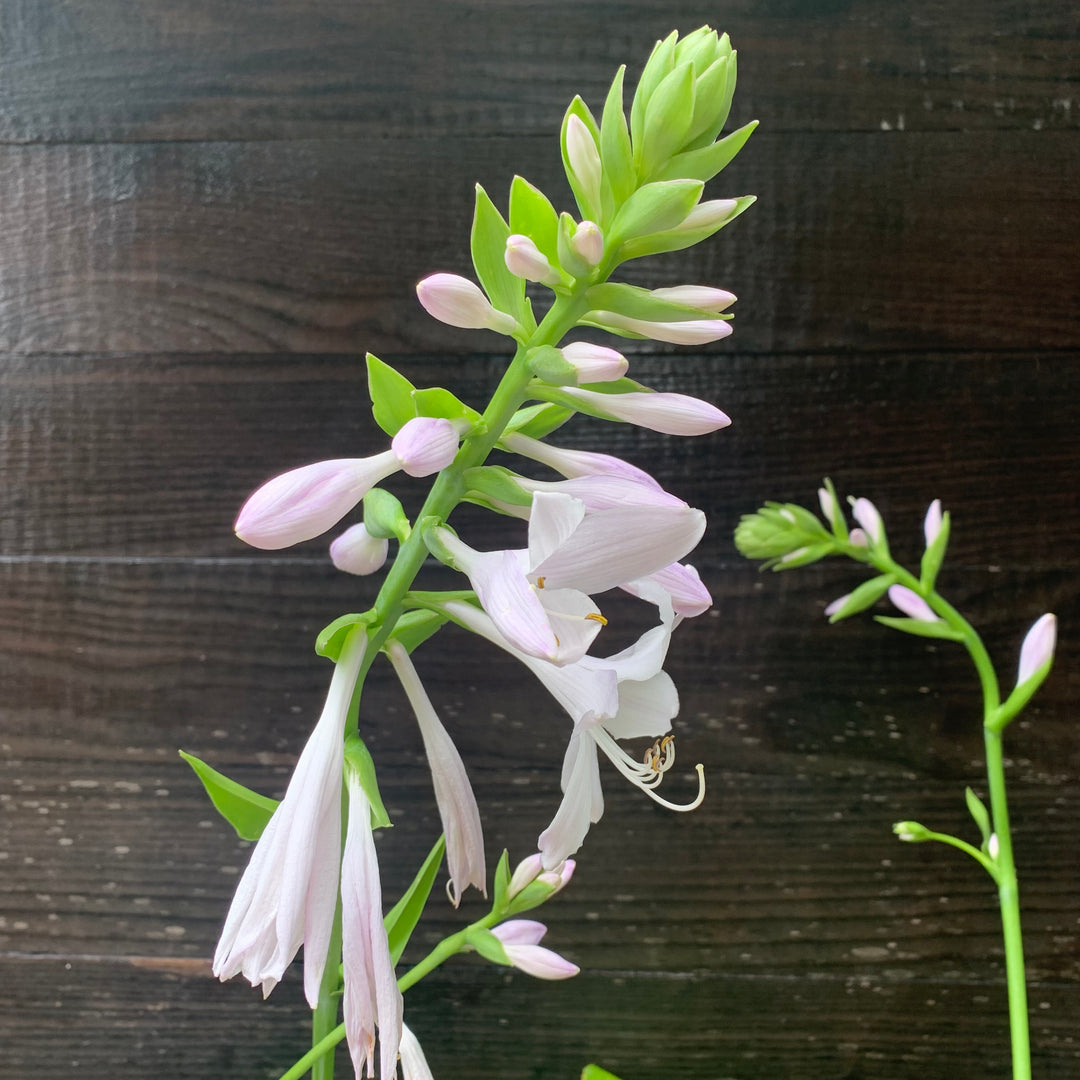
520 932
569 616
552 522
606 492
414 1065
573 463
645 708
582 803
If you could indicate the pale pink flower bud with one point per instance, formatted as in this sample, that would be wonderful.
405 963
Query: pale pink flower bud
572 463
698 296
707 214
828 505
584 158
459 302
866 514
858 538
425 445
690 332
588 242
302 503
932 524
594 363
1038 647
525 873
519 938
837 604
560 876
671 414
911 604
525 260
356 551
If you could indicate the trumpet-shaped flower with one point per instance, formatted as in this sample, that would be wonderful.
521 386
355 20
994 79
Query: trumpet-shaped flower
671 414
539 597
288 892
453 792
303 503
372 998
520 940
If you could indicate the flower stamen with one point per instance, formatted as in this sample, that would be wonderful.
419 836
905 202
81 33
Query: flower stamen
597 617
649 773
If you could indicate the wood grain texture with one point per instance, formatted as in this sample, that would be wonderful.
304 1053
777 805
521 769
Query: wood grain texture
165 247
153 456
200 69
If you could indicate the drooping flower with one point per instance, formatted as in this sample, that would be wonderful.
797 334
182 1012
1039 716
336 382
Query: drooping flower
414 1065
540 597
288 892
671 414
453 792
520 939
303 503
372 998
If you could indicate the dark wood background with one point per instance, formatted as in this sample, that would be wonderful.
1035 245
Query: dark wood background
209 209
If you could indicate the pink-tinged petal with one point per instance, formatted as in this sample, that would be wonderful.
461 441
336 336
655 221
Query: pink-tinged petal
828 505
645 708
581 806
911 604
682 583
372 999
595 363
575 463
866 514
708 213
525 873
303 503
932 524
414 1065
425 445
453 793
605 492
574 620
457 301
540 963
688 332
553 520
858 538
671 414
288 892
588 242
837 604
1038 647
584 158
559 877
698 296
611 547
520 932
356 551
525 260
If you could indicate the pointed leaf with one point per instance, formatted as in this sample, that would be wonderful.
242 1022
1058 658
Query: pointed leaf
866 595
659 64
678 239
616 154
532 215
438 402
934 555
594 1072
400 921
496 483
391 396
489 234
705 162
245 810
637 303
709 93
358 757
537 421
668 117
655 208
487 945
977 809
921 629
414 628
501 882
331 637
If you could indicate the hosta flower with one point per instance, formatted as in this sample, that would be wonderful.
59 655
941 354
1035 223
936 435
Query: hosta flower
588 242
356 551
682 584
525 260
303 503
574 463
457 301
531 869
671 414
910 603
701 297
539 597
521 942
1038 647
933 522
288 892
686 332
453 792
372 998
414 1065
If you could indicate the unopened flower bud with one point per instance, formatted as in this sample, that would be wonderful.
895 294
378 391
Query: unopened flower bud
866 514
1038 647
828 505
356 551
911 604
525 873
707 214
698 296
519 938
932 524
588 242
689 332
911 832
459 302
595 363
584 158
425 445
525 260
993 846
560 876
858 538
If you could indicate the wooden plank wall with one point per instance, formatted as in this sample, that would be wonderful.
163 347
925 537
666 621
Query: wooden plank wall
210 209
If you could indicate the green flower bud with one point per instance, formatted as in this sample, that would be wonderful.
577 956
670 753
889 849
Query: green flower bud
783 533
384 516
911 832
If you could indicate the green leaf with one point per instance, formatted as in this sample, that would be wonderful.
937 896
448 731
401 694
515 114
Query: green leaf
548 363
710 91
616 153
501 882
655 208
414 628
400 921
919 628
245 810
705 162
637 303
594 1072
532 215
332 637
866 595
359 759
977 809
391 396
487 945
678 239
488 240
537 421
496 483
668 117
659 64
438 402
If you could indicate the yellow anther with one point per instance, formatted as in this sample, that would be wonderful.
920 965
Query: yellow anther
539 582
597 617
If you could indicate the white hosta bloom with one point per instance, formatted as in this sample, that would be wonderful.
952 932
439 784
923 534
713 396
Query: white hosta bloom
303 503
540 597
521 943
909 602
625 696
288 892
574 463
671 414
604 492
453 792
457 301
372 998
414 1065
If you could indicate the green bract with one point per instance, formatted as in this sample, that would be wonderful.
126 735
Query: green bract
782 529
245 810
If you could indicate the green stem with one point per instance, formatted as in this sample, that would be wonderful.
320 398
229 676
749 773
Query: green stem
324 1017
